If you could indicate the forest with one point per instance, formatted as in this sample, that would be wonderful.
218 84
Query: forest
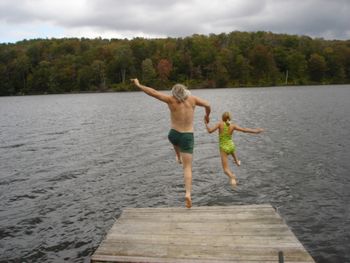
236 59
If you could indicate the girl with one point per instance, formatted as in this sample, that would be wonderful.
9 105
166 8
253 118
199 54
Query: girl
226 145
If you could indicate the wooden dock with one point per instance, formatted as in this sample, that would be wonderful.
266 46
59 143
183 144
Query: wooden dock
243 233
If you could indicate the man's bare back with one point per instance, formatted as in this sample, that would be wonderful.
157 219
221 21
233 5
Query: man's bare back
181 114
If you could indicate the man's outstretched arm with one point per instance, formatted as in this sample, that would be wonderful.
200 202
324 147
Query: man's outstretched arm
206 105
151 92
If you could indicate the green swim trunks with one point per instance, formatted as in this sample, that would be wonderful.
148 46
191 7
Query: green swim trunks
184 140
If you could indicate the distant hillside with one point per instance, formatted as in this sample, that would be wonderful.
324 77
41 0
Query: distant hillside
236 59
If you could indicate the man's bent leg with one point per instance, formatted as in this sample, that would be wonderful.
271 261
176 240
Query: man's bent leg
177 152
187 166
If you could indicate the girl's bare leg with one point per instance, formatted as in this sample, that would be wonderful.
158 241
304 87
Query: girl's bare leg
226 167
177 152
187 166
237 162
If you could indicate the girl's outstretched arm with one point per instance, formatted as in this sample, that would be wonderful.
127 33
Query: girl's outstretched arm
211 130
247 130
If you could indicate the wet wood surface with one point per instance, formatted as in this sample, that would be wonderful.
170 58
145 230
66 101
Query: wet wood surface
242 233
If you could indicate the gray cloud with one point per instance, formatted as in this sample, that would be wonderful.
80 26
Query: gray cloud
317 18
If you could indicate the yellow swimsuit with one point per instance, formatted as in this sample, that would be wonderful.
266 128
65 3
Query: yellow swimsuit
225 141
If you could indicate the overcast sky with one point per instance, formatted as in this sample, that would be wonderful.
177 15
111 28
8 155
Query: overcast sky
27 19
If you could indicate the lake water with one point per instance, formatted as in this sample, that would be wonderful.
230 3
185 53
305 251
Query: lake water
69 164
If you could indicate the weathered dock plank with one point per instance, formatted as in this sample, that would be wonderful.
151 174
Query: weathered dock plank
243 233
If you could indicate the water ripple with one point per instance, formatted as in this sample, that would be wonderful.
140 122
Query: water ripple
71 163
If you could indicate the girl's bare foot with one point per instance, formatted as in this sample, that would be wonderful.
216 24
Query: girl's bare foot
238 163
233 183
188 202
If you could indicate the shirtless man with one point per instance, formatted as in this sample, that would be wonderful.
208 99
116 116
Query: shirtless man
181 105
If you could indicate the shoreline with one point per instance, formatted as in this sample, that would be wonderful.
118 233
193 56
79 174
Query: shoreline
191 88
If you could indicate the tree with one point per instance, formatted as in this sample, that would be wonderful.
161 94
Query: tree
182 66
227 57
148 72
243 70
123 60
164 68
335 70
317 67
64 75
98 70
296 66
220 75
5 87
280 55
18 71
40 81
203 54
263 65
86 78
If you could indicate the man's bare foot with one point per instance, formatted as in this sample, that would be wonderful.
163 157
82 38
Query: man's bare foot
178 159
188 202
233 183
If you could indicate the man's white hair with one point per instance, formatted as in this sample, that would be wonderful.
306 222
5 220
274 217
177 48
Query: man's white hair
180 92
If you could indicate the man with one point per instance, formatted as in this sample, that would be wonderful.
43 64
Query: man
181 105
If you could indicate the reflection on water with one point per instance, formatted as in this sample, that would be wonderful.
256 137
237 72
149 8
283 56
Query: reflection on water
69 164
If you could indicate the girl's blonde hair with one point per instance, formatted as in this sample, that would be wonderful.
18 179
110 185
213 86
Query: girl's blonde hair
226 117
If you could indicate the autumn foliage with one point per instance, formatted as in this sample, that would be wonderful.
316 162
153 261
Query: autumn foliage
236 59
